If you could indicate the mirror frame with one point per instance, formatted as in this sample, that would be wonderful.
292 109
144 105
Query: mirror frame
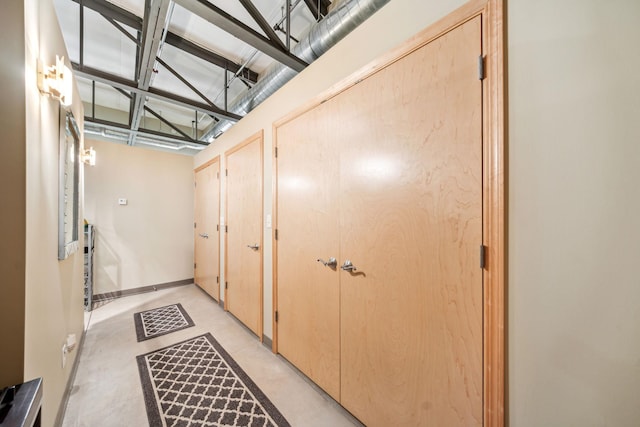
68 185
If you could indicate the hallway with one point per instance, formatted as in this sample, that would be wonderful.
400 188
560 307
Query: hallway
107 389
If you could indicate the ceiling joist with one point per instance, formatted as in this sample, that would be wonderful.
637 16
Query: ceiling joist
264 25
185 82
157 115
156 14
162 136
181 43
236 28
105 8
131 86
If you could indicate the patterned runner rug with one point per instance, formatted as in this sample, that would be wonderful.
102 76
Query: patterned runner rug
161 321
197 383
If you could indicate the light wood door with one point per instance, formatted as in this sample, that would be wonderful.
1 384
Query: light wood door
411 224
308 292
207 242
243 297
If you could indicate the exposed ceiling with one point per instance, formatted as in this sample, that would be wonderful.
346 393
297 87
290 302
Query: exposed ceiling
162 73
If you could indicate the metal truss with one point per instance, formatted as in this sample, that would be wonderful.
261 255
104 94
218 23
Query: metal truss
151 33
132 86
116 14
231 25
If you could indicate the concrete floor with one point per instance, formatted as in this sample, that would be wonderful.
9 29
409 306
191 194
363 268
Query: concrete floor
107 389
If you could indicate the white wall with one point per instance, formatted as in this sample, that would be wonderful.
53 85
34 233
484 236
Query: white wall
574 222
53 289
574 169
150 240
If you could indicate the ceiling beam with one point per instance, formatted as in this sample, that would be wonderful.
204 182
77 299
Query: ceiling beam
121 29
164 137
185 82
153 28
155 114
123 16
231 25
155 19
211 57
131 86
167 122
264 25
313 7
111 10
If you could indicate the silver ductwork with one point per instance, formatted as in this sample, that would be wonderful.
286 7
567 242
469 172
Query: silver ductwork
320 38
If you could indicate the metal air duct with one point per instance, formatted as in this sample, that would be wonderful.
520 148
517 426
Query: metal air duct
320 38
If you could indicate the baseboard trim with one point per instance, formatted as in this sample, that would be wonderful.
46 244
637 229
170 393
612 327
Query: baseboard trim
266 341
62 409
144 289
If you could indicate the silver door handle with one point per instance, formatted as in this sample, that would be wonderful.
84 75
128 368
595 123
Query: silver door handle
254 247
203 235
332 263
348 266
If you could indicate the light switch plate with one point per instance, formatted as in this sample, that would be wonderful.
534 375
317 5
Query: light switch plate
122 201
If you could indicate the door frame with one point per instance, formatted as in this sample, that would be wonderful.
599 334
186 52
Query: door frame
216 159
493 186
259 136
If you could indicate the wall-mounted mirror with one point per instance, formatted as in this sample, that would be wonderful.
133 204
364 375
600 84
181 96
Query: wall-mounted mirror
68 185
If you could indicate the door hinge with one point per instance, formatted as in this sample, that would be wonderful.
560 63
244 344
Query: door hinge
195 184
226 172
217 227
217 279
483 256
276 316
481 67
194 265
226 285
276 233
194 225
276 152
217 175
226 228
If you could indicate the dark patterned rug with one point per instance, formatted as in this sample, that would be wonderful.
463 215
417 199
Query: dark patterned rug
197 383
161 321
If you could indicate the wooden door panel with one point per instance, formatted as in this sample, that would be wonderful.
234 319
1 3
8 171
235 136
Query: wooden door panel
411 223
207 242
308 328
243 297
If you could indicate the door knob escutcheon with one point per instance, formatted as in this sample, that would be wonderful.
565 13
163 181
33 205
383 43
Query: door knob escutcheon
348 266
332 262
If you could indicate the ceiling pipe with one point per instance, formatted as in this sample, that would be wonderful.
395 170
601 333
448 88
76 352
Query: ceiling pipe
320 38
123 135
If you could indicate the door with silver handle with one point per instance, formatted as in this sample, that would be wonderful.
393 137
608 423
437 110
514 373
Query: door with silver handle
203 235
331 263
348 266
254 247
